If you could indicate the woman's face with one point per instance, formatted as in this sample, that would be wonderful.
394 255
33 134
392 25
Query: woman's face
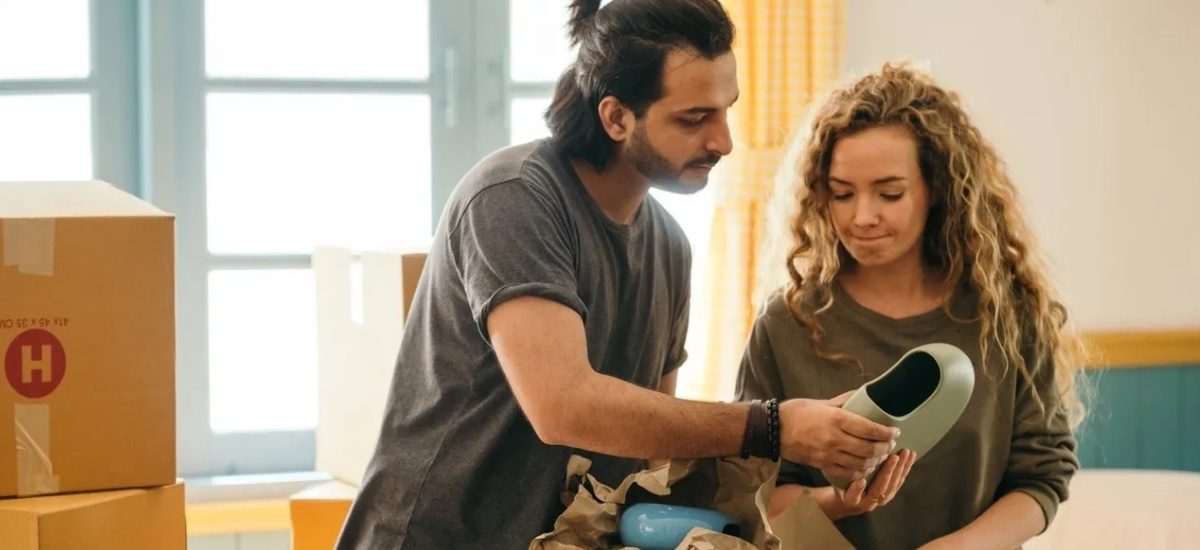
879 200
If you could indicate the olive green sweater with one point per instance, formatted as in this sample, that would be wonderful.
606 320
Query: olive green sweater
1003 442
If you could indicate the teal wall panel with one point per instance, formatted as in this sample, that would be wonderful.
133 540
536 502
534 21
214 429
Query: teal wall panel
1145 418
1190 414
1112 423
1159 425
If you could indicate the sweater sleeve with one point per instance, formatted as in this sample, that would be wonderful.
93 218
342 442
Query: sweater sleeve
758 378
1042 457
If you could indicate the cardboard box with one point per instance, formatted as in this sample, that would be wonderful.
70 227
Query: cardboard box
131 519
318 514
87 340
355 360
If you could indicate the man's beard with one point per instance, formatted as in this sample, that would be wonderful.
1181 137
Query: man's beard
660 171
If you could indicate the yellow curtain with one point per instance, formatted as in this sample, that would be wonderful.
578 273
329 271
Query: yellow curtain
788 51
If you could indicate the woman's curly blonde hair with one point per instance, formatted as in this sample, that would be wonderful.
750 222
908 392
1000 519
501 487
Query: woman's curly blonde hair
976 237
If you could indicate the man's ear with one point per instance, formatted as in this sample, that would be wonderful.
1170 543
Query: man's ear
616 118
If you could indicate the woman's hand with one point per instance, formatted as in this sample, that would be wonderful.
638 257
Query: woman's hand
858 498
947 542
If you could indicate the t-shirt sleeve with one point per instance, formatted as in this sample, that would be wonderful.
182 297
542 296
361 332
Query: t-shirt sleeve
512 241
677 350
1042 456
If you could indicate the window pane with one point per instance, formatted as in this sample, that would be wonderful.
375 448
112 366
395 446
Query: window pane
262 350
539 45
527 119
44 39
336 39
694 214
287 172
46 137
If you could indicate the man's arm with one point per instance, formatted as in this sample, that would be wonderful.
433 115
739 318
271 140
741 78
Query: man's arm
667 384
542 348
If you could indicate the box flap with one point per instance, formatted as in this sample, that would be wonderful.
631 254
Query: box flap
330 490
356 359
70 199
53 504
19 530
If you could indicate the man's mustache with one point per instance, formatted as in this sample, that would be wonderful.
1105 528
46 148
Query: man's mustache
711 160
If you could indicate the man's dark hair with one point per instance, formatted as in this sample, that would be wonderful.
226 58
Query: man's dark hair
622 50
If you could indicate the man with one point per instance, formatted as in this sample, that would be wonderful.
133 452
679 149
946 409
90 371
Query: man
554 303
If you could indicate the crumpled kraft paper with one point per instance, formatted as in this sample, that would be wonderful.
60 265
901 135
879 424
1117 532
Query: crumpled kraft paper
740 488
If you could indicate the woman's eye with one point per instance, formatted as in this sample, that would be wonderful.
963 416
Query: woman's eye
842 197
892 197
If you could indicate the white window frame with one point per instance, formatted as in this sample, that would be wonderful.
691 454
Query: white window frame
466 124
111 85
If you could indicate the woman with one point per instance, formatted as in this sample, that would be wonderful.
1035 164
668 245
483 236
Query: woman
908 231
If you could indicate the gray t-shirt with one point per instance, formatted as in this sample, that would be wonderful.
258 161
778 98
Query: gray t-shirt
458 465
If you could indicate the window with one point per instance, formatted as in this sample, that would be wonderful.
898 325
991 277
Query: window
65 83
303 124
269 127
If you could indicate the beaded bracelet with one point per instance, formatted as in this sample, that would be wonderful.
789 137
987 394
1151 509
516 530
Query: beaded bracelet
773 439
761 435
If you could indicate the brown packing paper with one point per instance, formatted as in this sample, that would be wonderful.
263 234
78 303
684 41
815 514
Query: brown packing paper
803 526
740 488
703 539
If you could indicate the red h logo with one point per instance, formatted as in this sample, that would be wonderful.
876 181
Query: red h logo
35 363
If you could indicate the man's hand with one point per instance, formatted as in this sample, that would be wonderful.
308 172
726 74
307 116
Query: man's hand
840 443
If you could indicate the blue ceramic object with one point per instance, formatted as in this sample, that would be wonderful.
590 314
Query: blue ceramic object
663 526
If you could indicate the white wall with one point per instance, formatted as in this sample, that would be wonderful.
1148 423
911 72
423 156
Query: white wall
1095 105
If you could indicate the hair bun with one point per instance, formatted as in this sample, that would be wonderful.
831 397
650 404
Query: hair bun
582 12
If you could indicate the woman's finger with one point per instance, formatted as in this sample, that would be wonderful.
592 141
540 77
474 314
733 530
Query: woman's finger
883 481
912 458
902 462
853 495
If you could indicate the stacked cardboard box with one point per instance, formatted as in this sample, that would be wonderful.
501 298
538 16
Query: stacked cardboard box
132 519
318 513
87 343
356 359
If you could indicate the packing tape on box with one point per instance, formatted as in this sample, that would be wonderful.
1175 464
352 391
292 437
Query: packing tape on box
29 245
35 471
